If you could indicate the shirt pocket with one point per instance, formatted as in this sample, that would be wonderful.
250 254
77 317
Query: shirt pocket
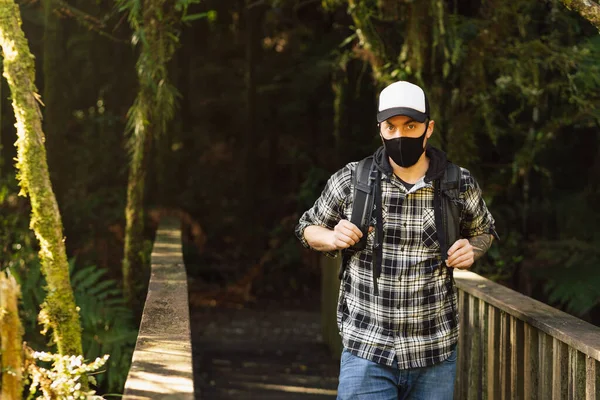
429 235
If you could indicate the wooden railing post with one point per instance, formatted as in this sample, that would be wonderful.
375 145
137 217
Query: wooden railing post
330 285
531 364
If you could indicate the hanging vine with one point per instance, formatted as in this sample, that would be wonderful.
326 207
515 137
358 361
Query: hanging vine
156 29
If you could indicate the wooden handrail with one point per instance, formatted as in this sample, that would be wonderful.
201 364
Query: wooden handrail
161 366
573 331
514 347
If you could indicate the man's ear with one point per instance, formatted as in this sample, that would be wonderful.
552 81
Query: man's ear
430 128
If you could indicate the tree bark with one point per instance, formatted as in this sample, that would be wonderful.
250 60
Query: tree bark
339 86
59 311
153 108
588 9
1 158
134 214
11 338
249 131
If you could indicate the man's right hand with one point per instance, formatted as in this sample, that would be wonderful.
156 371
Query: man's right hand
345 235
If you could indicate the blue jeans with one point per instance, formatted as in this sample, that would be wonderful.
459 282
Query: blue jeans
364 379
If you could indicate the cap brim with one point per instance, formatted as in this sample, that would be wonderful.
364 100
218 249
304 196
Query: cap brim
409 112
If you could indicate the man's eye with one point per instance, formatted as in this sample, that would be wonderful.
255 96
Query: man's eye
411 126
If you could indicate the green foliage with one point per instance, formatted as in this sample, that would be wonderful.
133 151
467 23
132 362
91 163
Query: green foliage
182 6
502 259
568 261
19 254
107 324
156 26
210 15
331 5
95 196
571 278
544 86
514 86
17 242
312 187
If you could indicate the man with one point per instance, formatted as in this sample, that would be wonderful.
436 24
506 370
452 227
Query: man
399 326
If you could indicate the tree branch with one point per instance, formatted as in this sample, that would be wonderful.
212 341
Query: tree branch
370 42
84 19
588 9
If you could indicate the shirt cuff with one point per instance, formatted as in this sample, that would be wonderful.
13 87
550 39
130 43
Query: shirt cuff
491 231
300 235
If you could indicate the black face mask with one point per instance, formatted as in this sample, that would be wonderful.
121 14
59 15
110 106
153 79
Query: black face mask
405 151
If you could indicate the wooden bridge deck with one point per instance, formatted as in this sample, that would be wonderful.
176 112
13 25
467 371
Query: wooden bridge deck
261 352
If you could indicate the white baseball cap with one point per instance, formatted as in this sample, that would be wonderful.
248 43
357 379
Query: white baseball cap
403 98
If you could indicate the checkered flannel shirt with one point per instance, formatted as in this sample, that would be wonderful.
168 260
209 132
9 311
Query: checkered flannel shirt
414 319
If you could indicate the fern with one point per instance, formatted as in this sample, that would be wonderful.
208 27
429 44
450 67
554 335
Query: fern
32 284
570 278
107 323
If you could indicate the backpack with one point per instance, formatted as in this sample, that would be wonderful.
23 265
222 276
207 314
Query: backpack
447 211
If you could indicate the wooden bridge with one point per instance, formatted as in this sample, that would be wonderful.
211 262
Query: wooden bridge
510 346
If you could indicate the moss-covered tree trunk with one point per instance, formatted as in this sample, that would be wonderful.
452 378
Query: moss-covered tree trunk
1 159
371 43
11 338
588 9
339 85
134 212
155 29
58 311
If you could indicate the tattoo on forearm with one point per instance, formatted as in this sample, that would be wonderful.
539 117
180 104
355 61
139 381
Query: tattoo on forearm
481 244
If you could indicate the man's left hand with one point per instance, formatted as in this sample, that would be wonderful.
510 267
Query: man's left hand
461 255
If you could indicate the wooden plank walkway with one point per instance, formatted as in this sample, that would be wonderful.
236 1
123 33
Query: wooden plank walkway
262 352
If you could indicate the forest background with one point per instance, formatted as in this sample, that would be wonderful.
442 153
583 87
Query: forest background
274 96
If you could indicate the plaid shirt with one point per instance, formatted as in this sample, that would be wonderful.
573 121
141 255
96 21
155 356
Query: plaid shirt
414 318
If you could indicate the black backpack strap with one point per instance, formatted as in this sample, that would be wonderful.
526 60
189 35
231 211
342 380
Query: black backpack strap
447 218
362 202
362 207
377 245
439 219
451 180
451 206
447 207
